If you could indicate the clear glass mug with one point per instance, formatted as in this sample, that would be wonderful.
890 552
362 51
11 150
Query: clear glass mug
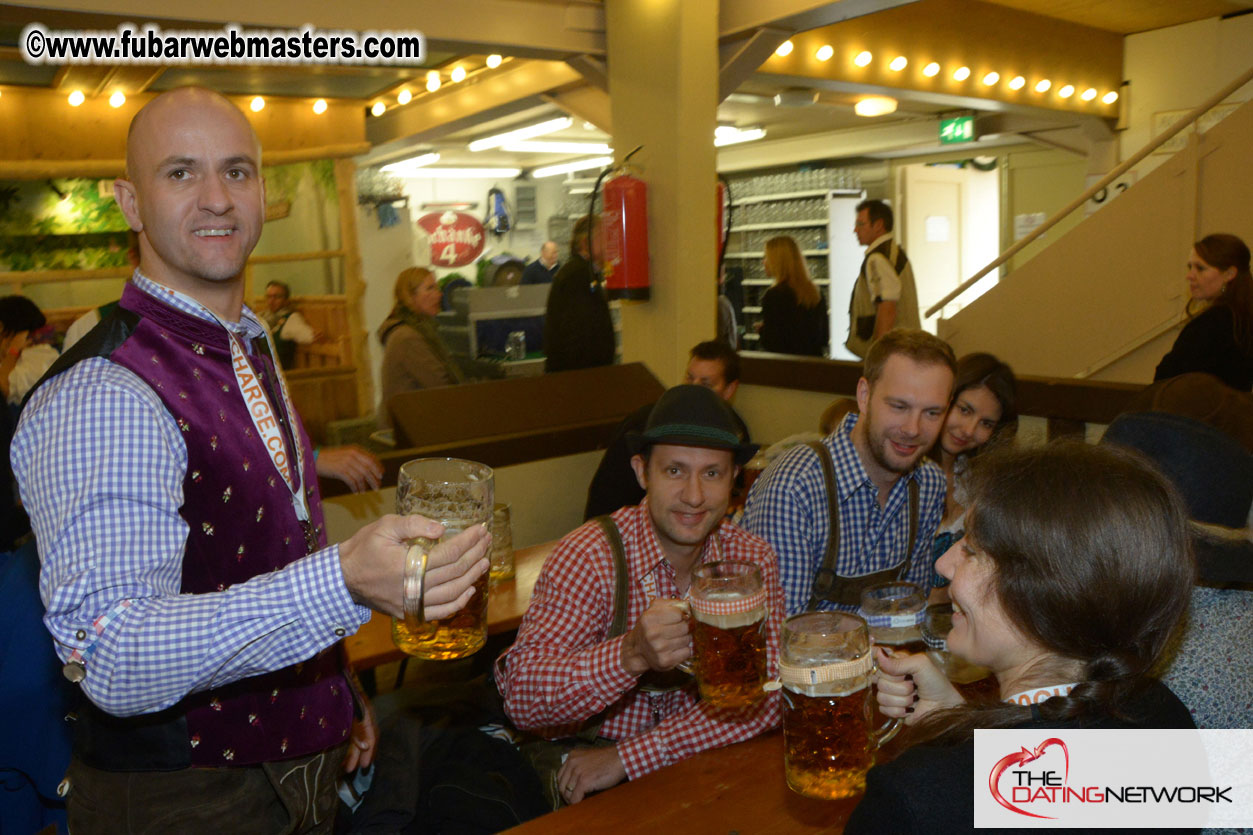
825 669
895 613
728 621
971 680
502 545
458 494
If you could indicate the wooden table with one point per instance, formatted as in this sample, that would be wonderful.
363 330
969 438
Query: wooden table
739 788
506 604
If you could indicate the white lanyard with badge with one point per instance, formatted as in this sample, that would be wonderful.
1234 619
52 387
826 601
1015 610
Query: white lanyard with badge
264 419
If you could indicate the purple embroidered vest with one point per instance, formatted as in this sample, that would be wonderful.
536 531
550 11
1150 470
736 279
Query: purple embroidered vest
242 524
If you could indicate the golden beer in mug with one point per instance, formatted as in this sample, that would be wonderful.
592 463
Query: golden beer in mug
458 494
728 606
828 740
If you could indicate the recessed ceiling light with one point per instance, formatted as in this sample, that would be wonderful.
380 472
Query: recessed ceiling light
117 99
961 73
1089 94
319 106
1110 97
257 104
378 109
931 70
875 106
493 61
899 63
1067 91
1043 85
784 50
991 78
458 74
76 98
404 96
825 52
1017 83
863 59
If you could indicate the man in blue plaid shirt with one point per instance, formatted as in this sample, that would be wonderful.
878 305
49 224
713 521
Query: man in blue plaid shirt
876 455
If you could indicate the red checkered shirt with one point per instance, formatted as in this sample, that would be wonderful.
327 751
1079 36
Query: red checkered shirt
562 670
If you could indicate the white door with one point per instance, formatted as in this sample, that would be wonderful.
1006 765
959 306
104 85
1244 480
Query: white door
949 227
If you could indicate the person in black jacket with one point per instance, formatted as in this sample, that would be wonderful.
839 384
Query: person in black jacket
578 331
793 314
1218 337
1073 573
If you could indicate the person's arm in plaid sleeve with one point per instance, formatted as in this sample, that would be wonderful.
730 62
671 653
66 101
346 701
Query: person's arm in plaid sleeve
783 510
561 671
101 465
698 727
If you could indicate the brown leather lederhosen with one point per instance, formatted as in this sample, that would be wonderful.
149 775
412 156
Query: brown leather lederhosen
846 591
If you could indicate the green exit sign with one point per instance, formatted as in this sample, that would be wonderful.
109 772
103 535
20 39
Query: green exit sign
960 129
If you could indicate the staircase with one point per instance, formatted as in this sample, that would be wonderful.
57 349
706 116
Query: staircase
1105 300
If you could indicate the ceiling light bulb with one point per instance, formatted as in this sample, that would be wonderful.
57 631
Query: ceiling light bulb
493 61
1043 85
1017 83
1089 94
257 104
378 109
863 59
931 70
784 50
991 78
432 81
1067 91
825 52
875 106
319 106
117 99
404 96
961 73
458 74
76 98
899 63
1110 97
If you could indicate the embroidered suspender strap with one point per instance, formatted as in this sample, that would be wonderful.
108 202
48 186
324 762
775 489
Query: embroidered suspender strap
846 591
824 578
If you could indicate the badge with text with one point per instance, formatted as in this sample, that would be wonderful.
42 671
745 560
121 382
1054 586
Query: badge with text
1143 779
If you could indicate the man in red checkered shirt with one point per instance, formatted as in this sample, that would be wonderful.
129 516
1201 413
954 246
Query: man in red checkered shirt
564 670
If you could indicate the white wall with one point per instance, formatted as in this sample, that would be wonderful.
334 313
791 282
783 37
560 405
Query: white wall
1177 68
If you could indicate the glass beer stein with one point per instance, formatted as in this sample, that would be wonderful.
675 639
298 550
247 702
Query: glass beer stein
825 669
458 494
728 605
895 613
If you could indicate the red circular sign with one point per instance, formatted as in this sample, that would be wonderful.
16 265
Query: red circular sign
456 237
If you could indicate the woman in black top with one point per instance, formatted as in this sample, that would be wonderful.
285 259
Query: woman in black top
793 316
1074 571
1218 338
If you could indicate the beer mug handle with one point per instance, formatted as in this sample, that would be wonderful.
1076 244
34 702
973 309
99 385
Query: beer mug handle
686 608
883 735
415 582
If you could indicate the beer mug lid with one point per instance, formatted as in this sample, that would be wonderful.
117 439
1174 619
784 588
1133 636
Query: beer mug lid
806 674
728 605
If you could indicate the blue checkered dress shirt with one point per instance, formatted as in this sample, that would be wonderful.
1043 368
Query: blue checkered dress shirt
788 508
100 464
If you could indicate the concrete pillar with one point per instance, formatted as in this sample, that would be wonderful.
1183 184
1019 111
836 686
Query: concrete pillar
663 88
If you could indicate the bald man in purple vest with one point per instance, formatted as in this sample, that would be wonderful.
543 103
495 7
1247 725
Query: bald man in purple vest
171 486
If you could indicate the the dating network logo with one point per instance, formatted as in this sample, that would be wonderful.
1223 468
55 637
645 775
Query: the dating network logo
1025 780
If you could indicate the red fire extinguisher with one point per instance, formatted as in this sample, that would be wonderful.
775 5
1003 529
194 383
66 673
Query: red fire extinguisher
625 224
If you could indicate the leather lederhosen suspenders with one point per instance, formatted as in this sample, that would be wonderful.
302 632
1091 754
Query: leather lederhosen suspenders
651 681
846 591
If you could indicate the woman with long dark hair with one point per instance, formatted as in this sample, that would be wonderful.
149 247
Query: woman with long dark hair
982 412
1218 337
793 316
1074 571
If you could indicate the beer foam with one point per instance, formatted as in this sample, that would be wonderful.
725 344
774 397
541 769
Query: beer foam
729 621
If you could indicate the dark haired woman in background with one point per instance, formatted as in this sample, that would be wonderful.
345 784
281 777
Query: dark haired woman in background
1073 573
1218 337
982 412
793 317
